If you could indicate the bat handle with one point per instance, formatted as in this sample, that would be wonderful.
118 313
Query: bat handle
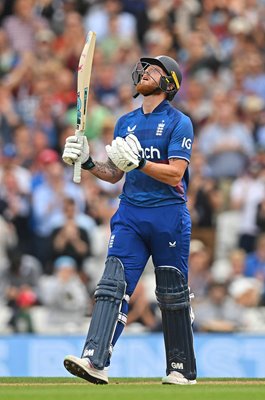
77 164
77 172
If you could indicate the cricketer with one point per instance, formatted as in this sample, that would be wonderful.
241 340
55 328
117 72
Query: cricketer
152 145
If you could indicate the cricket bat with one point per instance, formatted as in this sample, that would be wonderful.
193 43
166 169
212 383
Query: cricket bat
83 82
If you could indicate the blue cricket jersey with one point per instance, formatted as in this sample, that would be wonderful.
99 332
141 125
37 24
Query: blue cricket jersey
165 133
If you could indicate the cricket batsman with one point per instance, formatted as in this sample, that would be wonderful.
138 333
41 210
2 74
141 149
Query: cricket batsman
152 146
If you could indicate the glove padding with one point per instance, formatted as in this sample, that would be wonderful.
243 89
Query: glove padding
76 148
125 153
134 144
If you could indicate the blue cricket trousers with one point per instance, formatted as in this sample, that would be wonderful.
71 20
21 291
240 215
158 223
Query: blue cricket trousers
140 232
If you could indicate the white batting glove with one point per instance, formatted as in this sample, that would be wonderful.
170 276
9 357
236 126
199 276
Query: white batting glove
76 148
136 147
125 153
122 155
134 144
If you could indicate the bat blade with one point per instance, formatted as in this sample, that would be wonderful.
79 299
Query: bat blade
83 82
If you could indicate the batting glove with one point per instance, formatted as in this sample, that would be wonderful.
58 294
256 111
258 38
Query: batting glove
125 153
76 148
136 147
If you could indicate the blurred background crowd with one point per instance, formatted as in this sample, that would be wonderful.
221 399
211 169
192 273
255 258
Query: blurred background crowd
54 233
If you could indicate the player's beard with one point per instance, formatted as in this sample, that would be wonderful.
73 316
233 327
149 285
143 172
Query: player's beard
148 90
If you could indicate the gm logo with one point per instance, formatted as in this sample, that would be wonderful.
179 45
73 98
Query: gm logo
177 365
186 143
88 352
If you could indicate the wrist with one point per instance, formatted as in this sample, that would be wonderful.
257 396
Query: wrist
141 163
88 164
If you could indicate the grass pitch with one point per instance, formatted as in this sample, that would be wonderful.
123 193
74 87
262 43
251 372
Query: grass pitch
129 389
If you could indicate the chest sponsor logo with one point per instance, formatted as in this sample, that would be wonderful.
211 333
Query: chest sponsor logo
150 153
160 128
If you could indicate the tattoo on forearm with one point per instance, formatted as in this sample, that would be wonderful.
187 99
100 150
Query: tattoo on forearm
107 168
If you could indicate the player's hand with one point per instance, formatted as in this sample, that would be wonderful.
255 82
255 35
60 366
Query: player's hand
76 148
134 144
136 147
126 157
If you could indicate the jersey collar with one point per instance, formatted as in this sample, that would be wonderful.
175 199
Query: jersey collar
159 109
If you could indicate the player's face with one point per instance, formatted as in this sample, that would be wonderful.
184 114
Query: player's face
149 82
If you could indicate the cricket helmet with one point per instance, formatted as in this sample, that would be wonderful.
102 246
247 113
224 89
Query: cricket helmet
171 68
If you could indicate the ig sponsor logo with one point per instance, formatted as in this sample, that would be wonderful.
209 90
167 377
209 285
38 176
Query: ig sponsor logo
186 142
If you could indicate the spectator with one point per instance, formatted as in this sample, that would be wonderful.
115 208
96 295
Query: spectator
253 108
226 143
255 261
47 203
22 25
199 269
98 19
197 102
142 312
260 217
22 139
21 281
247 191
8 239
9 117
206 200
230 268
64 297
45 157
198 58
16 207
69 44
218 312
105 88
247 292
72 233
254 82
9 161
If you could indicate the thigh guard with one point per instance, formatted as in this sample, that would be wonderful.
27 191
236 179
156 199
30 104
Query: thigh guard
108 296
172 294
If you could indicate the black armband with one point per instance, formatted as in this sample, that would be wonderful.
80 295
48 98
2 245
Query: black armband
89 164
141 163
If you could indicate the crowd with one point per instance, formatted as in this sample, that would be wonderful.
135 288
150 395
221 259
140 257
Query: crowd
54 233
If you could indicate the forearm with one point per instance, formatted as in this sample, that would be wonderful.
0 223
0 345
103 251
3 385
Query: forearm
107 171
165 173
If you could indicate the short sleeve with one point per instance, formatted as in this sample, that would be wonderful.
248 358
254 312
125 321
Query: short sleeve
180 144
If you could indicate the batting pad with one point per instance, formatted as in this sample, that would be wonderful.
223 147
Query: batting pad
172 294
108 296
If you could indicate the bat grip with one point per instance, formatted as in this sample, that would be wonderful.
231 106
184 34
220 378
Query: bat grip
77 164
77 172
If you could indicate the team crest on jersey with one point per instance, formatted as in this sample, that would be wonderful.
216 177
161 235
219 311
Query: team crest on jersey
160 128
131 130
